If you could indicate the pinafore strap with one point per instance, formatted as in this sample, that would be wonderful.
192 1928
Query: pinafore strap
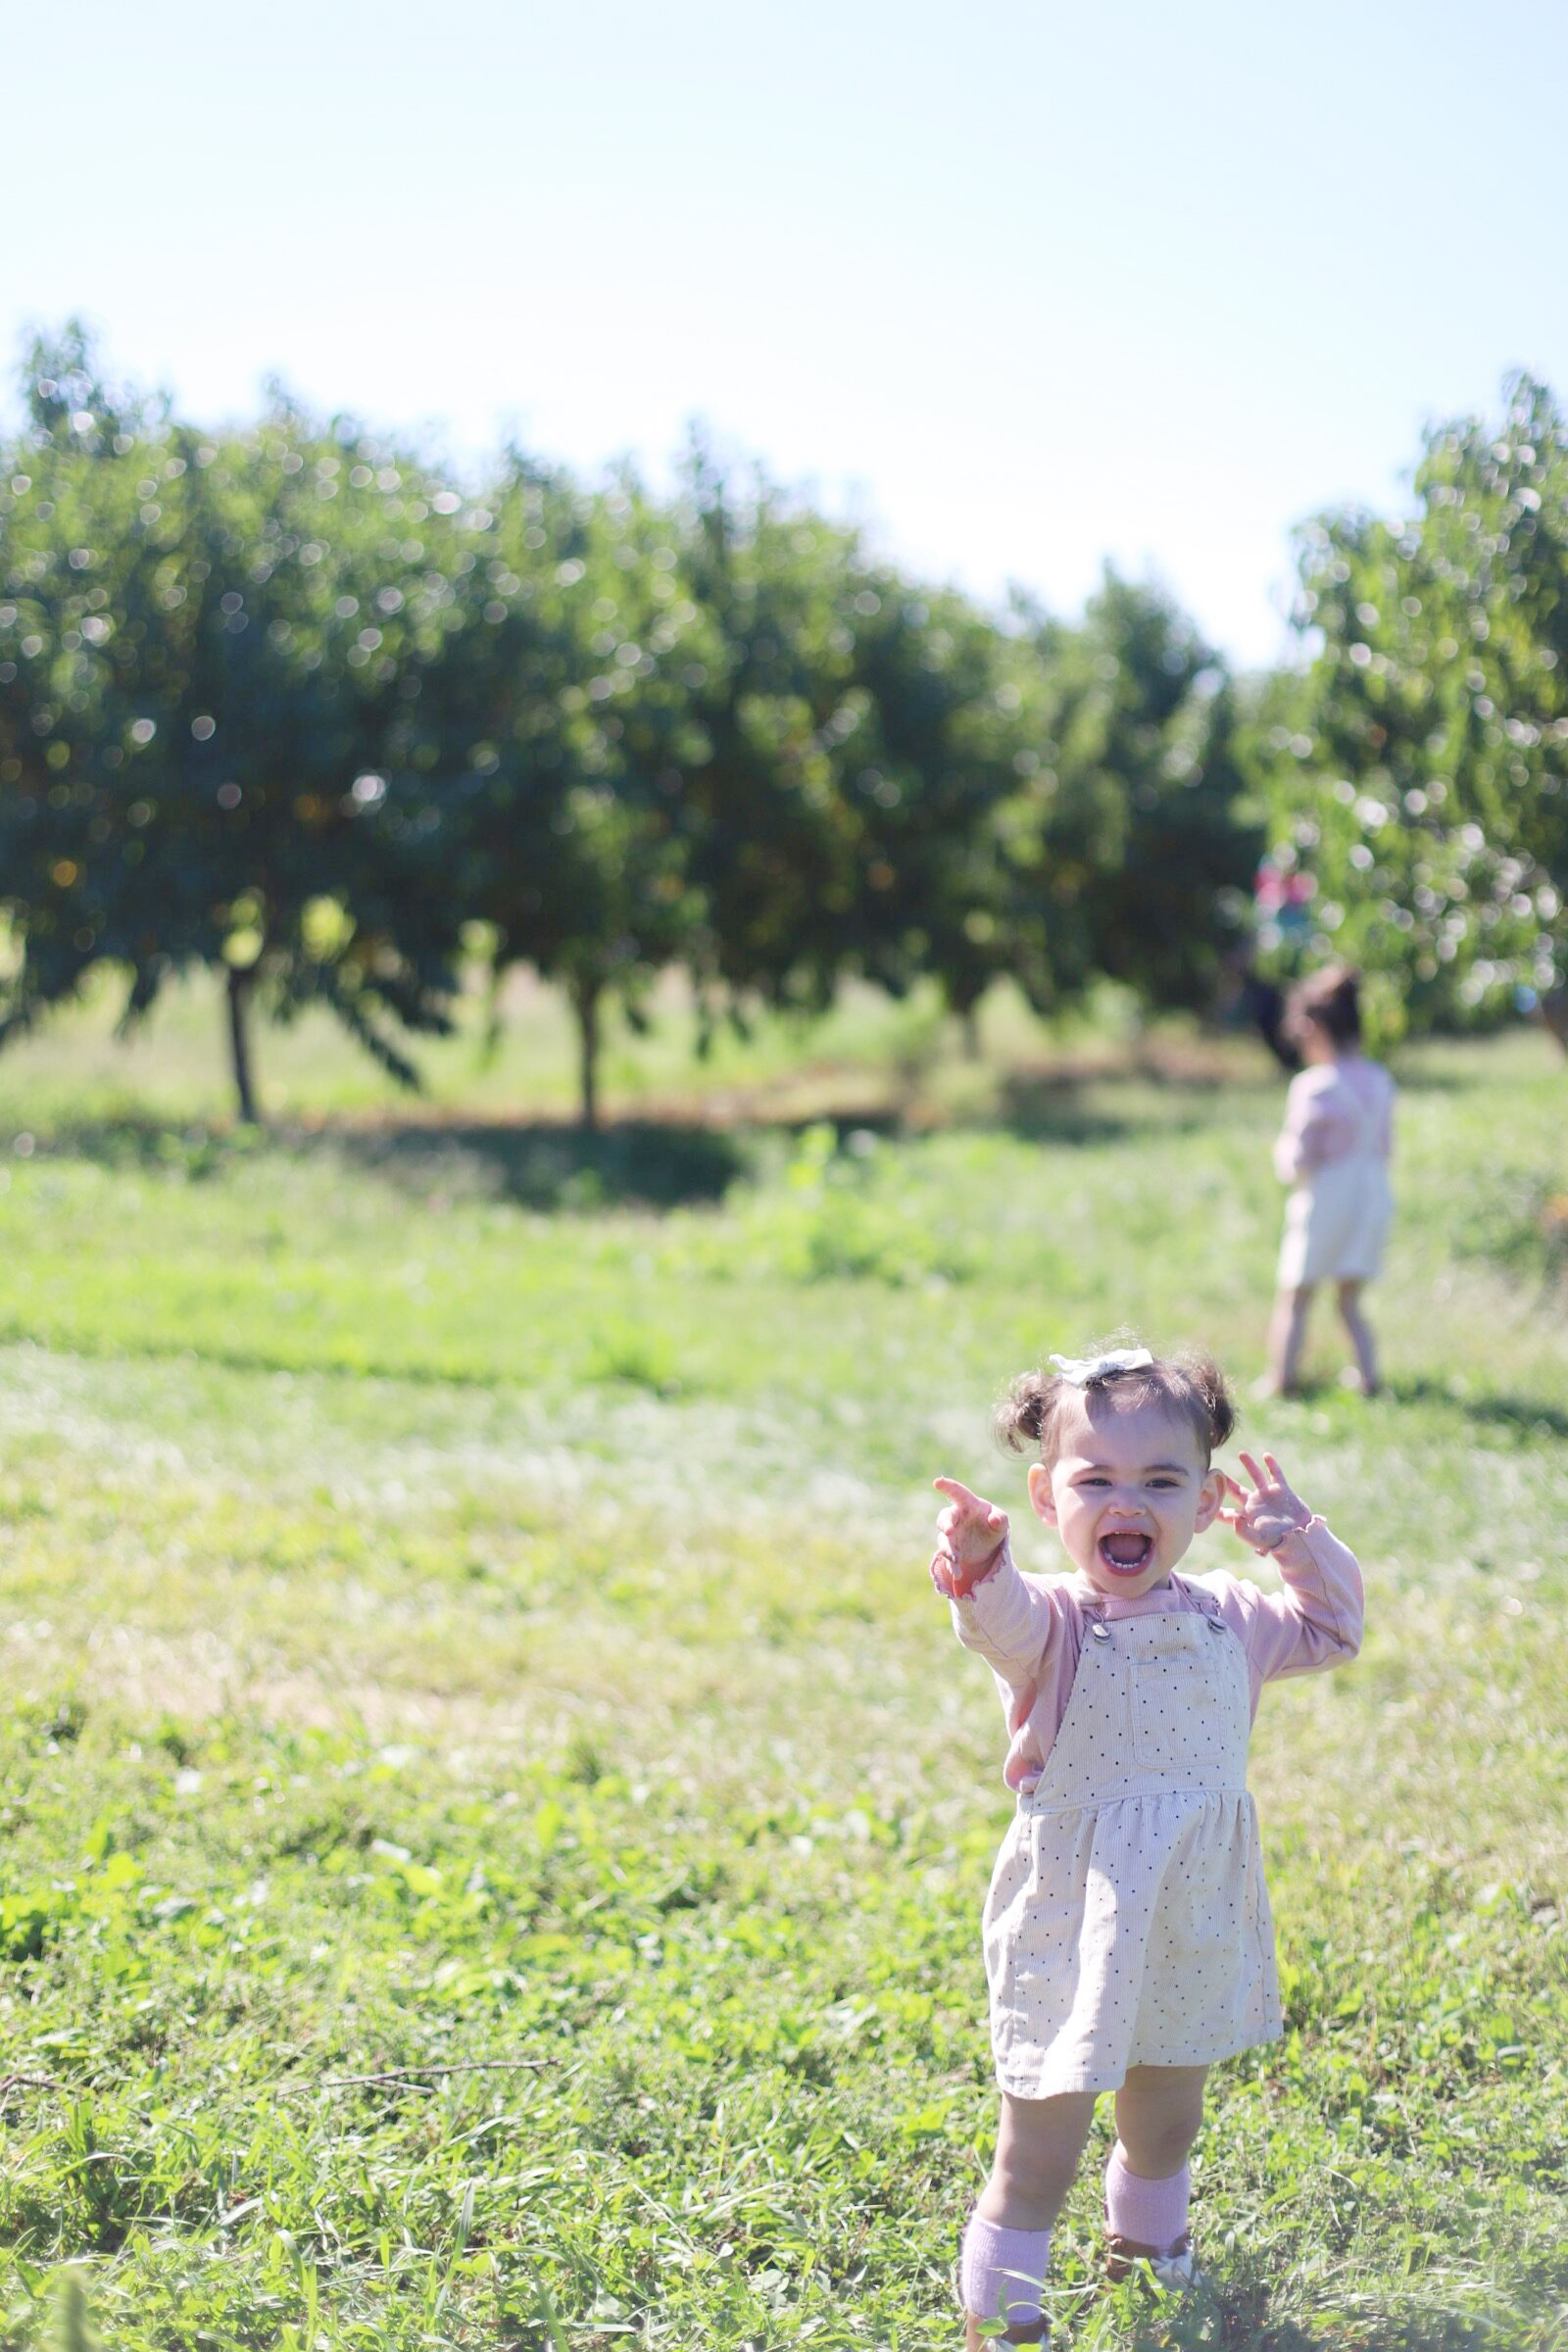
1203 1602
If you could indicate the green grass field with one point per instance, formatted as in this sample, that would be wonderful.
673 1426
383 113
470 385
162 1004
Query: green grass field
495 1818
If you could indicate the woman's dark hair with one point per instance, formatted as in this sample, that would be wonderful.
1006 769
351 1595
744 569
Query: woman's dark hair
1332 998
1188 1384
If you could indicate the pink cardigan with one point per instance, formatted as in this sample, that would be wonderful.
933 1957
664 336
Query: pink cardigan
1030 1630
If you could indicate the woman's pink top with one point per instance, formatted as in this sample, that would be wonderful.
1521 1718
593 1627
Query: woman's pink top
1333 1109
1030 1630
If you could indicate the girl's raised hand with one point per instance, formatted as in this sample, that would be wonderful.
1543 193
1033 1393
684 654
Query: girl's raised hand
1271 1512
970 1531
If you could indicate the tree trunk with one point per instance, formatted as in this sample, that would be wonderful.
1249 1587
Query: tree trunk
585 1004
969 1025
241 983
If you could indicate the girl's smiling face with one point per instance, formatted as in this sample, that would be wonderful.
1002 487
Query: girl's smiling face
1127 1491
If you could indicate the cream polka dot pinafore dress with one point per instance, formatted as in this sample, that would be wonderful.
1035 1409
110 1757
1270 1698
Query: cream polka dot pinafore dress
1127 1922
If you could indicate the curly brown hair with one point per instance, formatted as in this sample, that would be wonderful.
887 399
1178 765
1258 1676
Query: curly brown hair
1332 998
1188 1383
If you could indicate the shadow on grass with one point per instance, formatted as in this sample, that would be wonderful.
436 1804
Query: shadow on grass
1073 1106
1398 2330
1403 2323
1526 1416
633 1162
539 1165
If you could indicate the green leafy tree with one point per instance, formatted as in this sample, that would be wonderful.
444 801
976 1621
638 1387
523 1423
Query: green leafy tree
284 704
864 801
1422 772
1349 874
68 503
958 875
549 741
778 716
213 640
1146 846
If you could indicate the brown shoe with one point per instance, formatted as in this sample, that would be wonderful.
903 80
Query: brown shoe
1173 2266
1028 2335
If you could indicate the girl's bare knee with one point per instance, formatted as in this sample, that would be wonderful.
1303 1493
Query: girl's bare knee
1159 2152
1159 2113
1038 2147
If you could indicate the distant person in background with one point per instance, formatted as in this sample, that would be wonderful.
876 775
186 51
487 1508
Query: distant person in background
1333 1151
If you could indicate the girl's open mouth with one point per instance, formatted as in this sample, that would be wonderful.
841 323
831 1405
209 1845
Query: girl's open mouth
1127 1553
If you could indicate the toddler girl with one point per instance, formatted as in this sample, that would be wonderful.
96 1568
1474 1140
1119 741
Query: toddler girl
1333 1151
1128 1942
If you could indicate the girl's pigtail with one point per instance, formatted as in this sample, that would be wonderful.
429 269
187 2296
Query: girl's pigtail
1024 1413
1212 1395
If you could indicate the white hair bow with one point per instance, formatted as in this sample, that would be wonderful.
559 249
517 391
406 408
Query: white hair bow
1084 1370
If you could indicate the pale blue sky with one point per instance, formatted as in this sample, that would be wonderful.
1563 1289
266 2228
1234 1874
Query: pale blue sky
1027 286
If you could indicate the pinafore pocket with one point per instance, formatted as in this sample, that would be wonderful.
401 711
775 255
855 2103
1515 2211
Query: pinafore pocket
1177 1707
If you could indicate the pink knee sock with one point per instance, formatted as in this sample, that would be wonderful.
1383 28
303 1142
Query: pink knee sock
1002 2271
1151 2213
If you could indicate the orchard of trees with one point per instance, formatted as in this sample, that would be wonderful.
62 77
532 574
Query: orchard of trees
296 705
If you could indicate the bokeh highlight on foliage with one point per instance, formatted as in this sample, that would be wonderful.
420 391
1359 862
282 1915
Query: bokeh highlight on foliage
1416 769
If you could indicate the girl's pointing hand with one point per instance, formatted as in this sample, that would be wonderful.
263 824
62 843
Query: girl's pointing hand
970 1531
1272 1511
